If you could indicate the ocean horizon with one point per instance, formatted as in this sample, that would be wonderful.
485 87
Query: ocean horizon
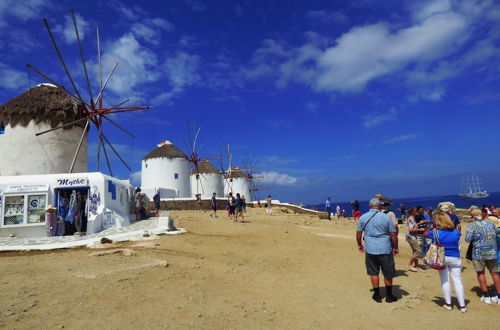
426 201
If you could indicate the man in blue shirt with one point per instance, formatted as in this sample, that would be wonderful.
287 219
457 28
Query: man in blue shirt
214 205
328 207
381 245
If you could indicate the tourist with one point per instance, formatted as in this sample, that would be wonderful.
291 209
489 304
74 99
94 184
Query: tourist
337 213
448 236
386 208
213 202
448 208
198 202
156 200
423 222
244 203
239 208
343 213
381 245
356 212
328 208
269 206
138 204
232 205
413 231
482 235
402 211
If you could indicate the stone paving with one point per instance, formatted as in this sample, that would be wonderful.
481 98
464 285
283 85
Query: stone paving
150 227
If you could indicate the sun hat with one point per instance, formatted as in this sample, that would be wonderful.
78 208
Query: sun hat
446 206
375 202
50 207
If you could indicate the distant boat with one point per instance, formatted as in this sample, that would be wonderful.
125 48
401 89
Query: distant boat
471 188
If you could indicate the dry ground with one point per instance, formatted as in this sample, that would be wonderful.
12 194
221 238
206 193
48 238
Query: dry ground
285 271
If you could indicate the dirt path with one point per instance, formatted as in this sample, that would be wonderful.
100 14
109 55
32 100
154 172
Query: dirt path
285 271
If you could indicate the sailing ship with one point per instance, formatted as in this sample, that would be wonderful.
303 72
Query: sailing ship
471 188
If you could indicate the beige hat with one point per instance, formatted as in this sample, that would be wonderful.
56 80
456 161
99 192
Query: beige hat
446 206
50 207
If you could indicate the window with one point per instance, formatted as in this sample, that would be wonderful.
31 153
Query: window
14 210
24 209
36 208
146 165
176 176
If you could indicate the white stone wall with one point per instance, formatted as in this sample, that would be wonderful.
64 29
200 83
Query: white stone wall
160 172
207 184
24 153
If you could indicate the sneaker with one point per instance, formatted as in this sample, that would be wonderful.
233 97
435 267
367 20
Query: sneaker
447 307
463 309
495 300
391 299
412 269
486 300
377 298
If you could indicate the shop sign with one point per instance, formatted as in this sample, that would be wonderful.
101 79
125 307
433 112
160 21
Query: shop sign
22 188
70 182
109 220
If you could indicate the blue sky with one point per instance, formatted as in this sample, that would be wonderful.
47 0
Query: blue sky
336 98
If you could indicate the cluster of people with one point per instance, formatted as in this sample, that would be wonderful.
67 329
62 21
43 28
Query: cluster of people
339 212
236 207
377 237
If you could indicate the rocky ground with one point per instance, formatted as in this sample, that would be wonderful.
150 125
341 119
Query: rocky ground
285 271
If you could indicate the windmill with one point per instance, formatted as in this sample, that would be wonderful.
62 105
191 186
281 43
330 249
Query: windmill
234 177
93 111
201 167
250 176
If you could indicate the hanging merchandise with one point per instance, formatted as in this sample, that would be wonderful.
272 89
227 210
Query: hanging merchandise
70 217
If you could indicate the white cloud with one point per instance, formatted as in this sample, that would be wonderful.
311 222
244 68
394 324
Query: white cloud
12 79
182 72
151 30
275 178
21 10
135 178
196 5
67 30
378 118
402 138
137 66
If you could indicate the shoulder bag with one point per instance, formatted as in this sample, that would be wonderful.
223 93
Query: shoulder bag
434 257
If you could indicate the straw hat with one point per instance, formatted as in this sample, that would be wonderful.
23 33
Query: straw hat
494 220
50 207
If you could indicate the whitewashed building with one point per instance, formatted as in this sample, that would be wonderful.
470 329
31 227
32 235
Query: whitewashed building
40 109
168 169
97 201
236 182
206 180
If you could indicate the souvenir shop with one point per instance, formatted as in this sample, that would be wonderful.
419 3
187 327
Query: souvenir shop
63 204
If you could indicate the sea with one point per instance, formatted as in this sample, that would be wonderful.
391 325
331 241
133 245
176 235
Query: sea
427 202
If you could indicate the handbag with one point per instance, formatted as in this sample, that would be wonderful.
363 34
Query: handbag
434 257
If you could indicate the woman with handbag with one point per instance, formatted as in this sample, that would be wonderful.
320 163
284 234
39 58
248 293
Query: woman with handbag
444 233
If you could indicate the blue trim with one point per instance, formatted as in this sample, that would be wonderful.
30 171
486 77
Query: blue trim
112 189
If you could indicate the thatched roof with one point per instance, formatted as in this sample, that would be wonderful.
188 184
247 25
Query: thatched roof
205 167
165 150
236 173
43 103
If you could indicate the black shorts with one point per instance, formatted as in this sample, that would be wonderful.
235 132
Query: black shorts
214 208
375 262
231 209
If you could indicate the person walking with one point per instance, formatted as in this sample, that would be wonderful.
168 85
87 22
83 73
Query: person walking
338 212
138 204
232 206
412 233
239 208
213 203
328 208
381 245
482 235
444 232
269 206
156 200
356 213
